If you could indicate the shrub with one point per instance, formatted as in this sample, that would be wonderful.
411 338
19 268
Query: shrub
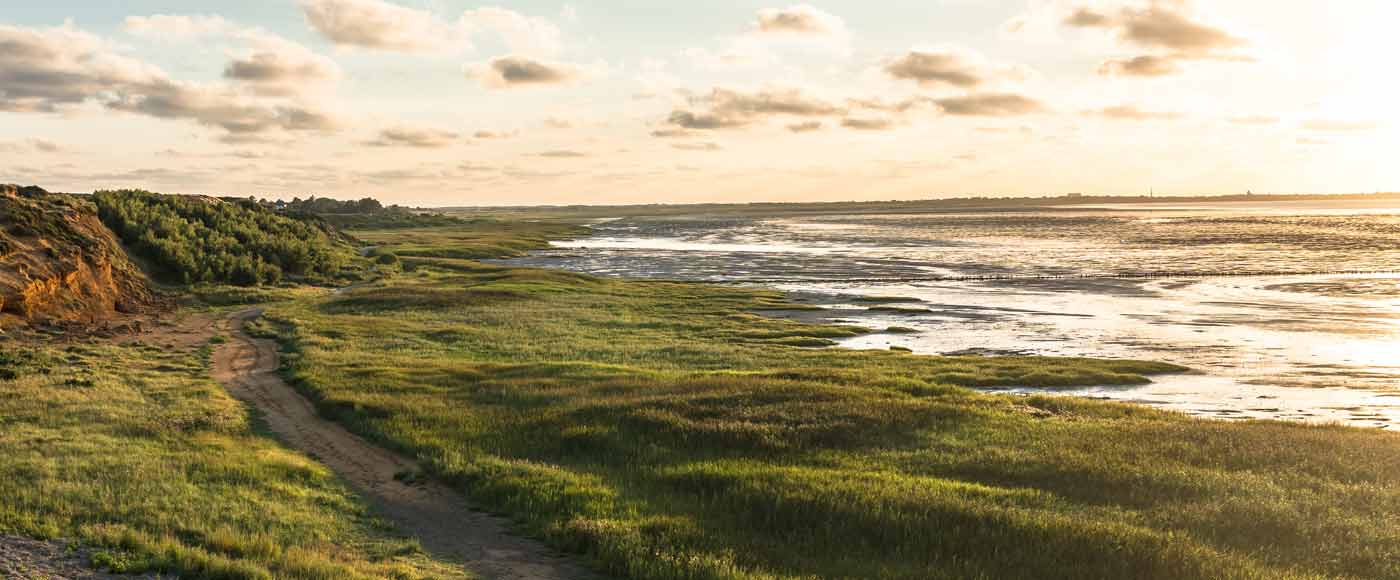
202 240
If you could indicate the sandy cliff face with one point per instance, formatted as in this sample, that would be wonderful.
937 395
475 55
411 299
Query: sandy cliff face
60 265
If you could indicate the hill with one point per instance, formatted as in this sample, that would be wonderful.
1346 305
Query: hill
60 265
195 239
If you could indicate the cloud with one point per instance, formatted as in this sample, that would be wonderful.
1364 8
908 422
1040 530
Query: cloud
1339 126
868 124
705 146
58 69
731 109
703 121
1086 18
495 134
801 19
176 26
1141 66
46 70
279 67
936 67
562 154
31 145
675 133
520 71
1132 113
425 172
523 34
1164 26
558 123
775 34
989 105
216 108
45 146
422 138
380 25
1158 25
768 102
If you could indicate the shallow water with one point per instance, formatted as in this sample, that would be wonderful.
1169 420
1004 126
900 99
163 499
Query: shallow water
1246 295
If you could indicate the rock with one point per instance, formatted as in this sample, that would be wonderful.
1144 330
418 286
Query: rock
59 263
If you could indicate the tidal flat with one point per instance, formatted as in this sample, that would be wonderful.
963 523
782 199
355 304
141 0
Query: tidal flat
1284 310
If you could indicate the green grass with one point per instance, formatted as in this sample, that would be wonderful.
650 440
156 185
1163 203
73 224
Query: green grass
135 451
668 432
480 239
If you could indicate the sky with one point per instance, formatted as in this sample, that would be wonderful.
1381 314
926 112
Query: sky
543 102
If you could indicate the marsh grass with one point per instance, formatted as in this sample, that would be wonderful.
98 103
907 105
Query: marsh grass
668 431
135 451
478 240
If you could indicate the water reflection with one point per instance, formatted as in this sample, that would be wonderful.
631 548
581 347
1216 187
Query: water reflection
1311 347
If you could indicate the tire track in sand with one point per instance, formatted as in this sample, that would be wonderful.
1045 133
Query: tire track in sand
429 511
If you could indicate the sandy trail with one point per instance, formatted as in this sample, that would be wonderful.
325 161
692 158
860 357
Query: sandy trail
432 512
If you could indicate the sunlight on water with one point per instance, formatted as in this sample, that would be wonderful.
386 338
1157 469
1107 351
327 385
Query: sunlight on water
1275 343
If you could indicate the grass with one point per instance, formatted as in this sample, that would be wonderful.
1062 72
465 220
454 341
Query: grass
135 451
480 239
668 432
665 431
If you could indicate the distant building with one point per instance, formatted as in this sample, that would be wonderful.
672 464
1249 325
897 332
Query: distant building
1074 195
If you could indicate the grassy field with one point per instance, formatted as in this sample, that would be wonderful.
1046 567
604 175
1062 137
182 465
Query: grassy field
135 451
477 240
668 431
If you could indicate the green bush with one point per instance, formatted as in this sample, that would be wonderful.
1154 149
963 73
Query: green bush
203 240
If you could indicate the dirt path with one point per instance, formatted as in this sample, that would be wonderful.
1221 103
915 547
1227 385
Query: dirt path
433 513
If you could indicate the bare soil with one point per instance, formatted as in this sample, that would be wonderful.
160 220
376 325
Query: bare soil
436 515
24 559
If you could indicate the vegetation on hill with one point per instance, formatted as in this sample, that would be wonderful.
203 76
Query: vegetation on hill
207 240
366 213
671 433
326 205
133 450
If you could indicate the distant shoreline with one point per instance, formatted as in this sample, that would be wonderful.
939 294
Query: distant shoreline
1061 202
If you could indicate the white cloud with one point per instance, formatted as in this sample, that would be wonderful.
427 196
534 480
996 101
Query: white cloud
513 71
279 67
799 20
59 69
380 25
417 137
